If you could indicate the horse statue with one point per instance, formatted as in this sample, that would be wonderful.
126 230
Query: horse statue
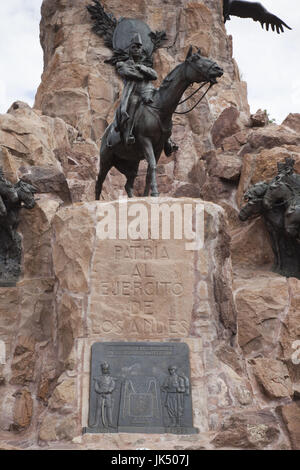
153 124
255 207
283 192
13 199
279 203
24 199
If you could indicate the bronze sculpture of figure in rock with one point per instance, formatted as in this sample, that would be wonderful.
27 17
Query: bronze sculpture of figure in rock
143 123
279 204
12 199
254 10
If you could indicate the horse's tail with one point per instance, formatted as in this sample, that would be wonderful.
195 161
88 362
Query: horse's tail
104 140
3 211
110 139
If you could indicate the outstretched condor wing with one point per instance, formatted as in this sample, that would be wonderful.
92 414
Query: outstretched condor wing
257 12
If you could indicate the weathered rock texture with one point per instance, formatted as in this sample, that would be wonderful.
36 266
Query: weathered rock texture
244 340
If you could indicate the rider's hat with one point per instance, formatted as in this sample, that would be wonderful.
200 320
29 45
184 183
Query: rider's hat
136 39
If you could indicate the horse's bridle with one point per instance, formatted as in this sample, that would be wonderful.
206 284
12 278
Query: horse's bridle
189 62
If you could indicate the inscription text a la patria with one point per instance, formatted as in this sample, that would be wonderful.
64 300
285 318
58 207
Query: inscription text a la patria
145 287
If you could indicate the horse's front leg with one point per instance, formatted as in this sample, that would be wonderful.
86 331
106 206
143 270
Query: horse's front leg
148 181
150 158
130 182
105 166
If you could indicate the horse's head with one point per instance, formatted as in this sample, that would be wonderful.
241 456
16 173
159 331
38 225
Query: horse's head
201 69
253 198
26 194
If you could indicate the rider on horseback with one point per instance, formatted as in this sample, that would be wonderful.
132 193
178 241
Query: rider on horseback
138 89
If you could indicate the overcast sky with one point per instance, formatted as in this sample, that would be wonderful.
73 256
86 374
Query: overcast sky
21 57
268 62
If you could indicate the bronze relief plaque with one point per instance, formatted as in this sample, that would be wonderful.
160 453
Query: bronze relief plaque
140 387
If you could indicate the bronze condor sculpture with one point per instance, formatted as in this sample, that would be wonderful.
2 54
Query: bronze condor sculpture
253 10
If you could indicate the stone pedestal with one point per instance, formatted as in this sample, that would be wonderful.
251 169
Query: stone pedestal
145 285
134 270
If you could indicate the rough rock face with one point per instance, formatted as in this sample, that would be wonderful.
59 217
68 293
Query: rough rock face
243 337
248 431
47 152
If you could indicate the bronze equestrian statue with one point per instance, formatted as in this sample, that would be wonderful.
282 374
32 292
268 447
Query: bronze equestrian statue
153 124
278 202
143 122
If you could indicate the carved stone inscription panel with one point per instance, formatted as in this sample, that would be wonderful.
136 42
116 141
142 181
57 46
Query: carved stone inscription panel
140 387
141 289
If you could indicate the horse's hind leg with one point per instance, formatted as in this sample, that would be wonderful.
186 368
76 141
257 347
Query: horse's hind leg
105 165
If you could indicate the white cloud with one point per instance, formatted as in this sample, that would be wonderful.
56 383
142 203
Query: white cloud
21 55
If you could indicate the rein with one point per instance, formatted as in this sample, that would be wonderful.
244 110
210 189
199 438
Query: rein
198 102
183 101
189 97
186 99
